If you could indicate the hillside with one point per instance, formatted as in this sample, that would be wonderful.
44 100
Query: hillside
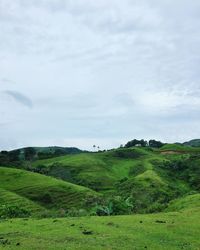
118 181
11 200
18 156
154 191
39 190
193 143
185 203
148 178
99 170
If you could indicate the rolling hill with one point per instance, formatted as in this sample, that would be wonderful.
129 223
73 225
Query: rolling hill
154 191
193 143
118 181
35 191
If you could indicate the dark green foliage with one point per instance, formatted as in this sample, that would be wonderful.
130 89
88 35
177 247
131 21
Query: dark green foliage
13 211
126 153
29 153
155 144
13 155
136 142
193 143
10 158
46 198
147 192
17 157
101 210
136 170
186 169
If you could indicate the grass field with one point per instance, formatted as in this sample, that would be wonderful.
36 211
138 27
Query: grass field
25 187
157 231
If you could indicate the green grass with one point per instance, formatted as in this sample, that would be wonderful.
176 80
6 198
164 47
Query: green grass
101 170
135 173
165 231
45 191
10 198
148 179
179 148
187 202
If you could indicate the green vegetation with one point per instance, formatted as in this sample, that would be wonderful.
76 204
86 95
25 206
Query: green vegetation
193 143
18 156
98 171
164 231
188 202
119 181
25 188
161 183
179 148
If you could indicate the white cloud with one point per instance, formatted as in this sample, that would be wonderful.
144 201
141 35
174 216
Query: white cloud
99 70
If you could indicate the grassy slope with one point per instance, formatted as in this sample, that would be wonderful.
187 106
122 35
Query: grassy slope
105 168
187 202
174 230
37 188
168 231
8 198
150 185
180 148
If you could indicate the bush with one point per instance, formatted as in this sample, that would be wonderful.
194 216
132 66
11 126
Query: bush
46 198
13 211
73 212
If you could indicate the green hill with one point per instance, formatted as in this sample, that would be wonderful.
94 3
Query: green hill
11 199
179 148
184 203
146 177
99 171
44 191
193 143
18 156
119 181
122 181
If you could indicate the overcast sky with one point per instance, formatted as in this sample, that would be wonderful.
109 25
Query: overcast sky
84 72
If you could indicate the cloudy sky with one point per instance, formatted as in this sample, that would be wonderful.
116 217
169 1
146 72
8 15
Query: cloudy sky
84 72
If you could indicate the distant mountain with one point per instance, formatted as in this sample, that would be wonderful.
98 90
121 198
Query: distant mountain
193 143
34 153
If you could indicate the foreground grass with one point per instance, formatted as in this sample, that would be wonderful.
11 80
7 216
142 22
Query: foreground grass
158 231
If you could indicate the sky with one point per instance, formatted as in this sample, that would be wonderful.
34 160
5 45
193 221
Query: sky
84 72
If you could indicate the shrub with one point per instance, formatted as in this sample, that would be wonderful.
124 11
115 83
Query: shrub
13 211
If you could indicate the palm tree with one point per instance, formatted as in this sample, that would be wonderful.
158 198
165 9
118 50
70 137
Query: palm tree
94 146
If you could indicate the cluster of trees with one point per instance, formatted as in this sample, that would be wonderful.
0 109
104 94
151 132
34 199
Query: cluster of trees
15 157
29 154
6 158
144 143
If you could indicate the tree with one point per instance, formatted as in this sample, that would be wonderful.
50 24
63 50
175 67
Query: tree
94 146
155 144
136 142
14 155
29 153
